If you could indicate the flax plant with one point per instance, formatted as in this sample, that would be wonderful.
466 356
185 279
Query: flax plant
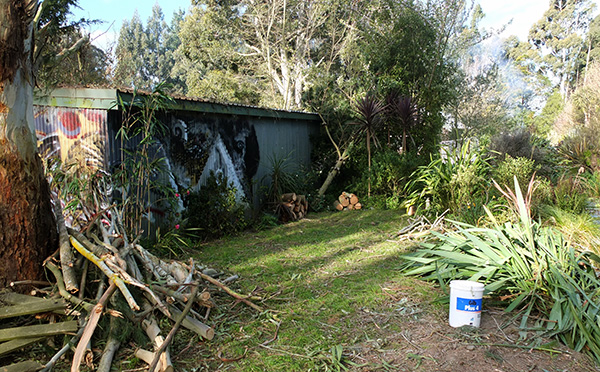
532 264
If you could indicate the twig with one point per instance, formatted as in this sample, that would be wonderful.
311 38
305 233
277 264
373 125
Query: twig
30 282
86 265
90 327
171 334
134 282
231 292
230 279
274 337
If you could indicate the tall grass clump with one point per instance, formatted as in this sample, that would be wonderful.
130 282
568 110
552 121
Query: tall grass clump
553 285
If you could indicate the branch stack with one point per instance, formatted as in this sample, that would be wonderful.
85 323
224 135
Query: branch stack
292 207
347 201
100 260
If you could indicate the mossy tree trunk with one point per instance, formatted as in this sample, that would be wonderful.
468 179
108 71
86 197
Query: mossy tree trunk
27 227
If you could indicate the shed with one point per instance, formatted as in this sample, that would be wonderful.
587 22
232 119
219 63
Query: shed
201 136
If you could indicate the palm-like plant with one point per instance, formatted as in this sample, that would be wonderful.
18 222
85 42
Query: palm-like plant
403 111
369 111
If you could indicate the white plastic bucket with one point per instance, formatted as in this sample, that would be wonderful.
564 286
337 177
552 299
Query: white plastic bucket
465 303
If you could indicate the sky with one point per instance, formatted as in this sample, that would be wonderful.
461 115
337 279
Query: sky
523 14
114 12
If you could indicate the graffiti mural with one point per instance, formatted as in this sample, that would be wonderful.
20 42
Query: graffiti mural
197 147
73 135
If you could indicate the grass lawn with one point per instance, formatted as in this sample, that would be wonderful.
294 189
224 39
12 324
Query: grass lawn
323 280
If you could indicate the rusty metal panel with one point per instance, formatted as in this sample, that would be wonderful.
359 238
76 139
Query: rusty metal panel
75 135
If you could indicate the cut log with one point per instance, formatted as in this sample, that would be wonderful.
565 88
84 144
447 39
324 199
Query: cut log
337 205
38 330
344 200
153 332
353 199
350 207
43 306
289 197
148 357
9 346
194 325
357 206
28 366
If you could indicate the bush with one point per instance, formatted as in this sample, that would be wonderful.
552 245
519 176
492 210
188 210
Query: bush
521 144
452 182
580 152
520 167
214 209
570 194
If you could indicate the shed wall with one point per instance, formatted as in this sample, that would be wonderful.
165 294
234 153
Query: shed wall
240 144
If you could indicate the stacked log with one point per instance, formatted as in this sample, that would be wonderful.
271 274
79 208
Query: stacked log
292 207
347 201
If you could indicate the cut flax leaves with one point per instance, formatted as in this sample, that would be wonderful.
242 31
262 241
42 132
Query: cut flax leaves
541 271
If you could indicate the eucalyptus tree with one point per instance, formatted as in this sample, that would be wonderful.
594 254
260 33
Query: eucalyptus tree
555 44
129 71
63 53
27 228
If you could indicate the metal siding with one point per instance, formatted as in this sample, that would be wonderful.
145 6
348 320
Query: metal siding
73 134
283 139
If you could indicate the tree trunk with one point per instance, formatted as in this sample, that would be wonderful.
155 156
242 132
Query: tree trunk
27 228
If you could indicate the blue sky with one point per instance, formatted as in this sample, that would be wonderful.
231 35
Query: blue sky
498 12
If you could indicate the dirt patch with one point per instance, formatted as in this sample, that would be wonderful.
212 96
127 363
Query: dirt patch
410 336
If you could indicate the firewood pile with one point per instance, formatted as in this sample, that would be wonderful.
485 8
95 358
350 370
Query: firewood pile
347 201
91 266
292 207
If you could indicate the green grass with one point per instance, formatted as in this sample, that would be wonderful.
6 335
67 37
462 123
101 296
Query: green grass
319 277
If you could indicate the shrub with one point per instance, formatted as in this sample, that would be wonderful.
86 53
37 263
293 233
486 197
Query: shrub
510 167
451 182
214 209
389 176
521 144
580 152
570 194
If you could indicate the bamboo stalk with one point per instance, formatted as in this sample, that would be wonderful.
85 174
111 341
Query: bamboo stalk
106 270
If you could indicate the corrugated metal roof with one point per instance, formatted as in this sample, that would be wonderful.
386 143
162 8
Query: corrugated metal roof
106 98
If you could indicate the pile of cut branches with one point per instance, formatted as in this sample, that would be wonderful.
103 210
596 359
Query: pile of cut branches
100 260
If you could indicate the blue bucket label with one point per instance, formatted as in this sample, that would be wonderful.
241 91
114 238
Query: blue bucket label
469 304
